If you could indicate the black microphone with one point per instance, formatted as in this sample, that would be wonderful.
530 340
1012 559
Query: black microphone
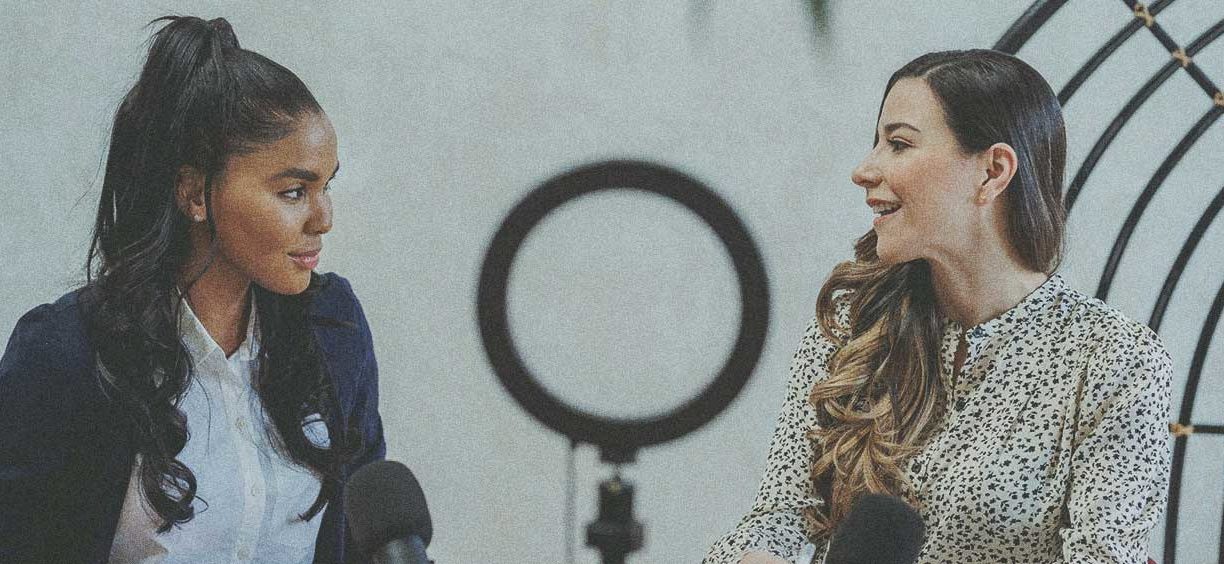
880 529
387 514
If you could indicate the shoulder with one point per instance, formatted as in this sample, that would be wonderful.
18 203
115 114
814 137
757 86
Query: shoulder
49 338
335 299
1109 332
810 363
48 379
342 330
1122 354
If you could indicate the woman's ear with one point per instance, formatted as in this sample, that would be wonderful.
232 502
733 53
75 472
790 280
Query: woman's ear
1000 163
189 193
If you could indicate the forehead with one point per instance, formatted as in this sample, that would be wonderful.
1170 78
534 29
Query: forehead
310 146
911 101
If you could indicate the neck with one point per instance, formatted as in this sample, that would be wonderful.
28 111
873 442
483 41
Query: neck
220 299
981 287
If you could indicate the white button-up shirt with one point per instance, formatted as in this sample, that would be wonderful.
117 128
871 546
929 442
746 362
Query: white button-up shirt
249 497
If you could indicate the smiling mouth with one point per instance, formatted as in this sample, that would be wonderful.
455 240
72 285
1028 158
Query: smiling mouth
883 210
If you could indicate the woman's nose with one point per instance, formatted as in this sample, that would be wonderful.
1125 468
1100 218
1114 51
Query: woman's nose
321 220
865 174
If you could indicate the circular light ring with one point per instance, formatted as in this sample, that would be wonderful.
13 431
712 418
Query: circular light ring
621 436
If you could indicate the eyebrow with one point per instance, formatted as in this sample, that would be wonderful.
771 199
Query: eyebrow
302 174
898 125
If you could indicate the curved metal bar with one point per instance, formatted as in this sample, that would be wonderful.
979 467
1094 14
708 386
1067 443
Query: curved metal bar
1127 31
1037 14
1183 257
1172 47
1187 409
1132 220
1132 106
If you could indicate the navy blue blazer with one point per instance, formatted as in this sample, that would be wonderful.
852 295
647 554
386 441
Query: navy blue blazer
65 464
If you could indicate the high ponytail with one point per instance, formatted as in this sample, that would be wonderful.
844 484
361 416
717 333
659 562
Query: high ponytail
200 99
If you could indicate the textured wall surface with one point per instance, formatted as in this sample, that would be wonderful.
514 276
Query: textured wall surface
449 112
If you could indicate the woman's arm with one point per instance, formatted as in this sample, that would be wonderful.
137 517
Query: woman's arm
363 413
58 454
775 526
1120 467
366 407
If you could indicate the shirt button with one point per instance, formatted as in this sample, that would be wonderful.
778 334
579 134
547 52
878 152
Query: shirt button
244 554
241 424
254 492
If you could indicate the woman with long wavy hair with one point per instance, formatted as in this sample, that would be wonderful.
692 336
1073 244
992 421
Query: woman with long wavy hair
949 366
203 397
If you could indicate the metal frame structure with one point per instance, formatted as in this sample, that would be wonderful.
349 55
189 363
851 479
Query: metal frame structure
1038 13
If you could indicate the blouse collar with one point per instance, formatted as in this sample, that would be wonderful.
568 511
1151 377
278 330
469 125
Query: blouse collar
200 344
1039 299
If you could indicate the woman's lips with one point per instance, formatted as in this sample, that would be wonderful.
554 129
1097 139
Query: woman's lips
307 261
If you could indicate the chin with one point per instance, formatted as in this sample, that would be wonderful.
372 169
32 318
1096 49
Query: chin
886 254
889 255
287 285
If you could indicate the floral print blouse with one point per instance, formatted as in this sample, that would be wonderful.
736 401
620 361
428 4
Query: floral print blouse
1054 446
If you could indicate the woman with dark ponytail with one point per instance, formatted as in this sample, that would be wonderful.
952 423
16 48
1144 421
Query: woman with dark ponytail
948 364
203 397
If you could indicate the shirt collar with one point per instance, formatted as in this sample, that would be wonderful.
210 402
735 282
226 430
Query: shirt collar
1041 298
200 344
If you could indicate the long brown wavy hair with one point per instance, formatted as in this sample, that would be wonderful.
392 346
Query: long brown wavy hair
883 394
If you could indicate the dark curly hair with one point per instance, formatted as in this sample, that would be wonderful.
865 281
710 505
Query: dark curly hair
200 99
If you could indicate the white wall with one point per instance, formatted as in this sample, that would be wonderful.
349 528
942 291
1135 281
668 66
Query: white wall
449 112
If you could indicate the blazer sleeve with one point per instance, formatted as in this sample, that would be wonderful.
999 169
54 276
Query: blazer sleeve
49 429
351 354
365 405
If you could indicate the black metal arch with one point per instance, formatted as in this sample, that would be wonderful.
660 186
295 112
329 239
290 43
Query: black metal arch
1149 191
1069 89
1196 367
1132 106
1015 38
1187 409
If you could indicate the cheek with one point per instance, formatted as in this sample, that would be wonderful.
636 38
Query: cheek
256 236
256 229
935 194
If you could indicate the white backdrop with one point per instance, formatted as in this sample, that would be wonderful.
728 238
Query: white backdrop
449 112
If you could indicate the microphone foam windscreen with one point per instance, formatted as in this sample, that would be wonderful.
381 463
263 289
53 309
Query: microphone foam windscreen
383 502
879 529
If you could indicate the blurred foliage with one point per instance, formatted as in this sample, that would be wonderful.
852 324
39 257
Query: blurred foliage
818 15
818 10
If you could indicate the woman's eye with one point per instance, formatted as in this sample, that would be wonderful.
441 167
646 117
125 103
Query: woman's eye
897 145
